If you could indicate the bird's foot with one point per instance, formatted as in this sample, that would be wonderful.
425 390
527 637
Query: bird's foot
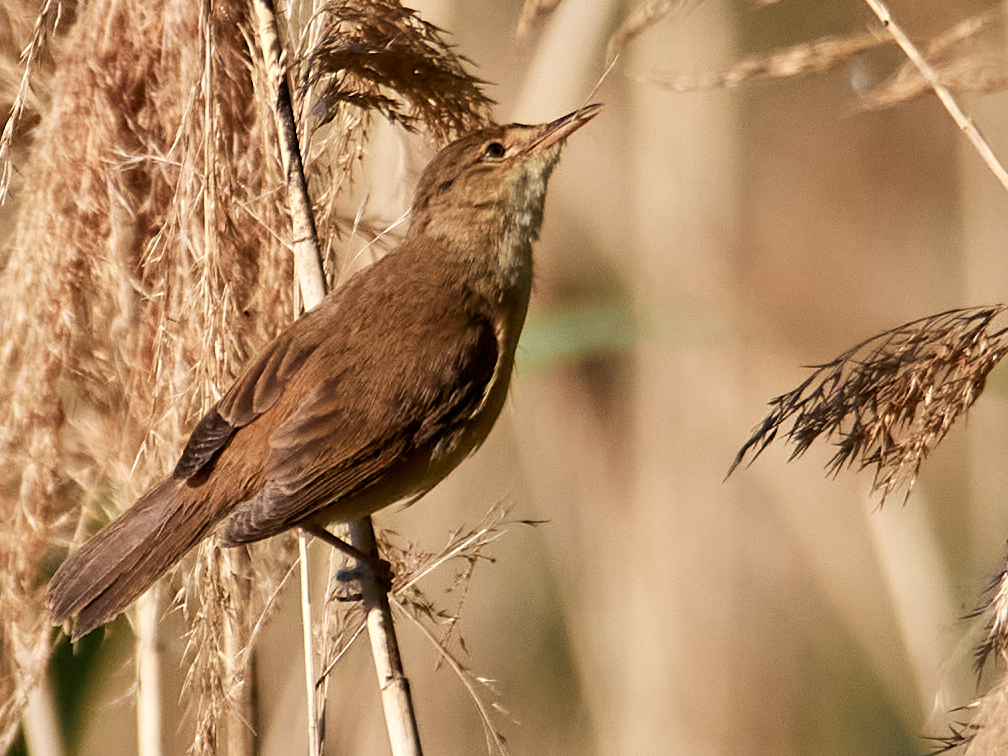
375 567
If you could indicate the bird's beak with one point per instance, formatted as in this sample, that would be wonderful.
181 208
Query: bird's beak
556 131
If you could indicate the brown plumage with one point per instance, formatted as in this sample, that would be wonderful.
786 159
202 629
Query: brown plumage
370 398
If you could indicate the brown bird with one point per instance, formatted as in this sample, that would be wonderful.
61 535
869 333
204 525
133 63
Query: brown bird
371 398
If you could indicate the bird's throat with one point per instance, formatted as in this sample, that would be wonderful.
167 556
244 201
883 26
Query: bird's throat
522 217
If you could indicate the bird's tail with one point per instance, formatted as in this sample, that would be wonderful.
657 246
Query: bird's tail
124 559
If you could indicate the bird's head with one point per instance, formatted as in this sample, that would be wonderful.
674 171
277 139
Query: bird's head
491 184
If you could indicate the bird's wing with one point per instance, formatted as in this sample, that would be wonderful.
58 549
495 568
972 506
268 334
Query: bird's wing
400 383
256 390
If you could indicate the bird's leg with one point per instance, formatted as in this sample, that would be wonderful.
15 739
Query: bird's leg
381 569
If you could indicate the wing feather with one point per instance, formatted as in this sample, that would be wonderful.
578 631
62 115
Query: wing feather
256 390
400 396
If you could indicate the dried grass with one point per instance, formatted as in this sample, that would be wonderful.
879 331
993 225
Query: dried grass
797 60
379 56
996 642
20 83
531 12
984 730
890 400
968 57
639 20
343 621
887 403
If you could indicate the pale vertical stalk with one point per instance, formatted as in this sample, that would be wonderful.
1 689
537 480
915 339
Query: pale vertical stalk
308 275
241 680
681 183
304 238
395 691
399 716
309 653
41 730
148 673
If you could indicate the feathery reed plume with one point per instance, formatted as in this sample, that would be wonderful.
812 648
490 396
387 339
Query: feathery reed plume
640 19
816 56
152 239
207 681
66 350
28 82
531 12
968 57
996 642
960 735
379 56
891 399
985 731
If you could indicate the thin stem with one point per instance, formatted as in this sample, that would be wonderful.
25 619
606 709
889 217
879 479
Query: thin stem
148 661
240 660
307 273
493 737
395 690
40 721
309 654
931 76
307 258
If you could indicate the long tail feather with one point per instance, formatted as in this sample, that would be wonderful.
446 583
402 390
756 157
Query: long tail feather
123 560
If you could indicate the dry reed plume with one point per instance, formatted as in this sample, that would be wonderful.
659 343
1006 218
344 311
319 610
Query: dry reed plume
889 400
150 240
968 57
984 730
356 59
886 404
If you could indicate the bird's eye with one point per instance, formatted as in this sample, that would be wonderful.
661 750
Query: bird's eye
494 151
444 186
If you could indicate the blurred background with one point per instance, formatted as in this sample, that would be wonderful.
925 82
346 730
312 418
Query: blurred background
699 249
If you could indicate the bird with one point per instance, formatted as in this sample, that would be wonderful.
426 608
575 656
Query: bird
369 399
